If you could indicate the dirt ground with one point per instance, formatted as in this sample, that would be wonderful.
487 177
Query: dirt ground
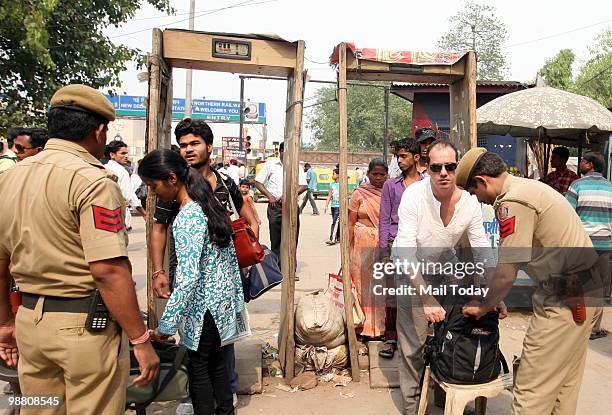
315 260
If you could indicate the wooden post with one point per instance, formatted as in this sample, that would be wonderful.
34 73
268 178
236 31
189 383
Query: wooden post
153 131
344 231
289 233
463 107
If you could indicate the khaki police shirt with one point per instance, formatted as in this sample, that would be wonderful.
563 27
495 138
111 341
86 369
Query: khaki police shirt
540 231
60 211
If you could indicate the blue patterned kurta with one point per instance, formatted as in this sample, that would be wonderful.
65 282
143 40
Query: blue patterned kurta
207 278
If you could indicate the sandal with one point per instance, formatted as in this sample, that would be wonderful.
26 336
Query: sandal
598 334
388 350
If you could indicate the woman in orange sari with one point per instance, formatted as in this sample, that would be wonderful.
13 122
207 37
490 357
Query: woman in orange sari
364 208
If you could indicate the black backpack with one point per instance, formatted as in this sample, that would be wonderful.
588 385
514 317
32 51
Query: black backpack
464 350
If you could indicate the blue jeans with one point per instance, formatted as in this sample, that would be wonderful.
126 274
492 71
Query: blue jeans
335 211
229 356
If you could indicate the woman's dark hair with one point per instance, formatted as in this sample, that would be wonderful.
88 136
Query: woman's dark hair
195 127
72 125
490 164
158 164
377 162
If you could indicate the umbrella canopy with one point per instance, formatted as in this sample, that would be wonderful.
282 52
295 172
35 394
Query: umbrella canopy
543 111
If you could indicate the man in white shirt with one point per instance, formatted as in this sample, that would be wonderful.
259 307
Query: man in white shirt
434 214
117 152
394 170
233 171
269 182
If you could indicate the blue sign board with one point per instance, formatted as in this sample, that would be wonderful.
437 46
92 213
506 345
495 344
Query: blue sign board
211 110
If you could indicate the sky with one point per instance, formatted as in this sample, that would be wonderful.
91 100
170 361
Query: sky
537 30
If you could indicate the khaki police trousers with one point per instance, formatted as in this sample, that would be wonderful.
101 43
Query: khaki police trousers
553 359
58 357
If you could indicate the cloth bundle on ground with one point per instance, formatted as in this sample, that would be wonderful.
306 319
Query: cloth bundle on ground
318 322
321 359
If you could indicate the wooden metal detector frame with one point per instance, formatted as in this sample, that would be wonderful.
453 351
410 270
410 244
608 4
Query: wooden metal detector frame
268 56
460 76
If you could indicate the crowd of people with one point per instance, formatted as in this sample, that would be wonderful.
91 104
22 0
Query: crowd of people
420 207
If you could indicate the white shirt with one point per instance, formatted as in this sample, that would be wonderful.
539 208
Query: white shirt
394 169
124 182
242 172
271 176
233 171
420 226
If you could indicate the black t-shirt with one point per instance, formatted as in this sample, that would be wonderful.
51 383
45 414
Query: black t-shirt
165 212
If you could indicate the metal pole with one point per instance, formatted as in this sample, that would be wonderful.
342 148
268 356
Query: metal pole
241 112
264 140
189 81
386 131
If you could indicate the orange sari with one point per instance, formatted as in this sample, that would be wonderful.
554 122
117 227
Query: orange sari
365 200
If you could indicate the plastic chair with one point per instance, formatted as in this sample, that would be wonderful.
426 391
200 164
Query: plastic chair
458 396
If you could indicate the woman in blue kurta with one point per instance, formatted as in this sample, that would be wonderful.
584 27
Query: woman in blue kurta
208 291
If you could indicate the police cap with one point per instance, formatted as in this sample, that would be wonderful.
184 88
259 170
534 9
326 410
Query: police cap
463 174
77 97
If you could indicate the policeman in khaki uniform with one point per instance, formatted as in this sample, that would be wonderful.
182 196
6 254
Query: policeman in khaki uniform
542 234
64 235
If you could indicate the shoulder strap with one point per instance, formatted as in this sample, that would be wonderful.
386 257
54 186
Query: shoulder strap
229 196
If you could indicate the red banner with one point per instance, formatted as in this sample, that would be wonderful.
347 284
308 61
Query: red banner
400 56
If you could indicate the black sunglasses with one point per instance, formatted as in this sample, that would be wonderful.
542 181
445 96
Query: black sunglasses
21 148
437 168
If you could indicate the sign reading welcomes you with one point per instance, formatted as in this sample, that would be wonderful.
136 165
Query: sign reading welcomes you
205 109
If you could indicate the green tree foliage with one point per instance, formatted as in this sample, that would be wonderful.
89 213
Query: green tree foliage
595 76
365 118
476 27
45 44
557 71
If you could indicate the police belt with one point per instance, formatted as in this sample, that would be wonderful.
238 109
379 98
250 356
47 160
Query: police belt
557 284
57 304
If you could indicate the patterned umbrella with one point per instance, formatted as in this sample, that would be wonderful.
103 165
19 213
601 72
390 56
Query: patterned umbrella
543 111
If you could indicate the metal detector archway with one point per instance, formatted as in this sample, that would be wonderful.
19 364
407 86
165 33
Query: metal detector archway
235 53
456 70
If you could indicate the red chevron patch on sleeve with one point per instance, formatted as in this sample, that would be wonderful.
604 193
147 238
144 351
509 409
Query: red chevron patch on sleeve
506 227
107 219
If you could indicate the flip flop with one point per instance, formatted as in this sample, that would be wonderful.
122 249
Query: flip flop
388 351
598 334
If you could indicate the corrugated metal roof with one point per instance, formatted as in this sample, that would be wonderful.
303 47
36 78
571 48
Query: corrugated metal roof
478 83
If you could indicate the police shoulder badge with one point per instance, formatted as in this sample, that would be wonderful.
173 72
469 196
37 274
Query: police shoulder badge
107 219
506 222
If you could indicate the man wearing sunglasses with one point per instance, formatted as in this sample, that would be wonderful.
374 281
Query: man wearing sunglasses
541 234
434 214
30 142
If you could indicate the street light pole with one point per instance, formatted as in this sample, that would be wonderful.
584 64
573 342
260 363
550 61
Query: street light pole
241 113
189 81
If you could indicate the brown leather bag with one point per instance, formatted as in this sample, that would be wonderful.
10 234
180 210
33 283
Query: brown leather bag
248 250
